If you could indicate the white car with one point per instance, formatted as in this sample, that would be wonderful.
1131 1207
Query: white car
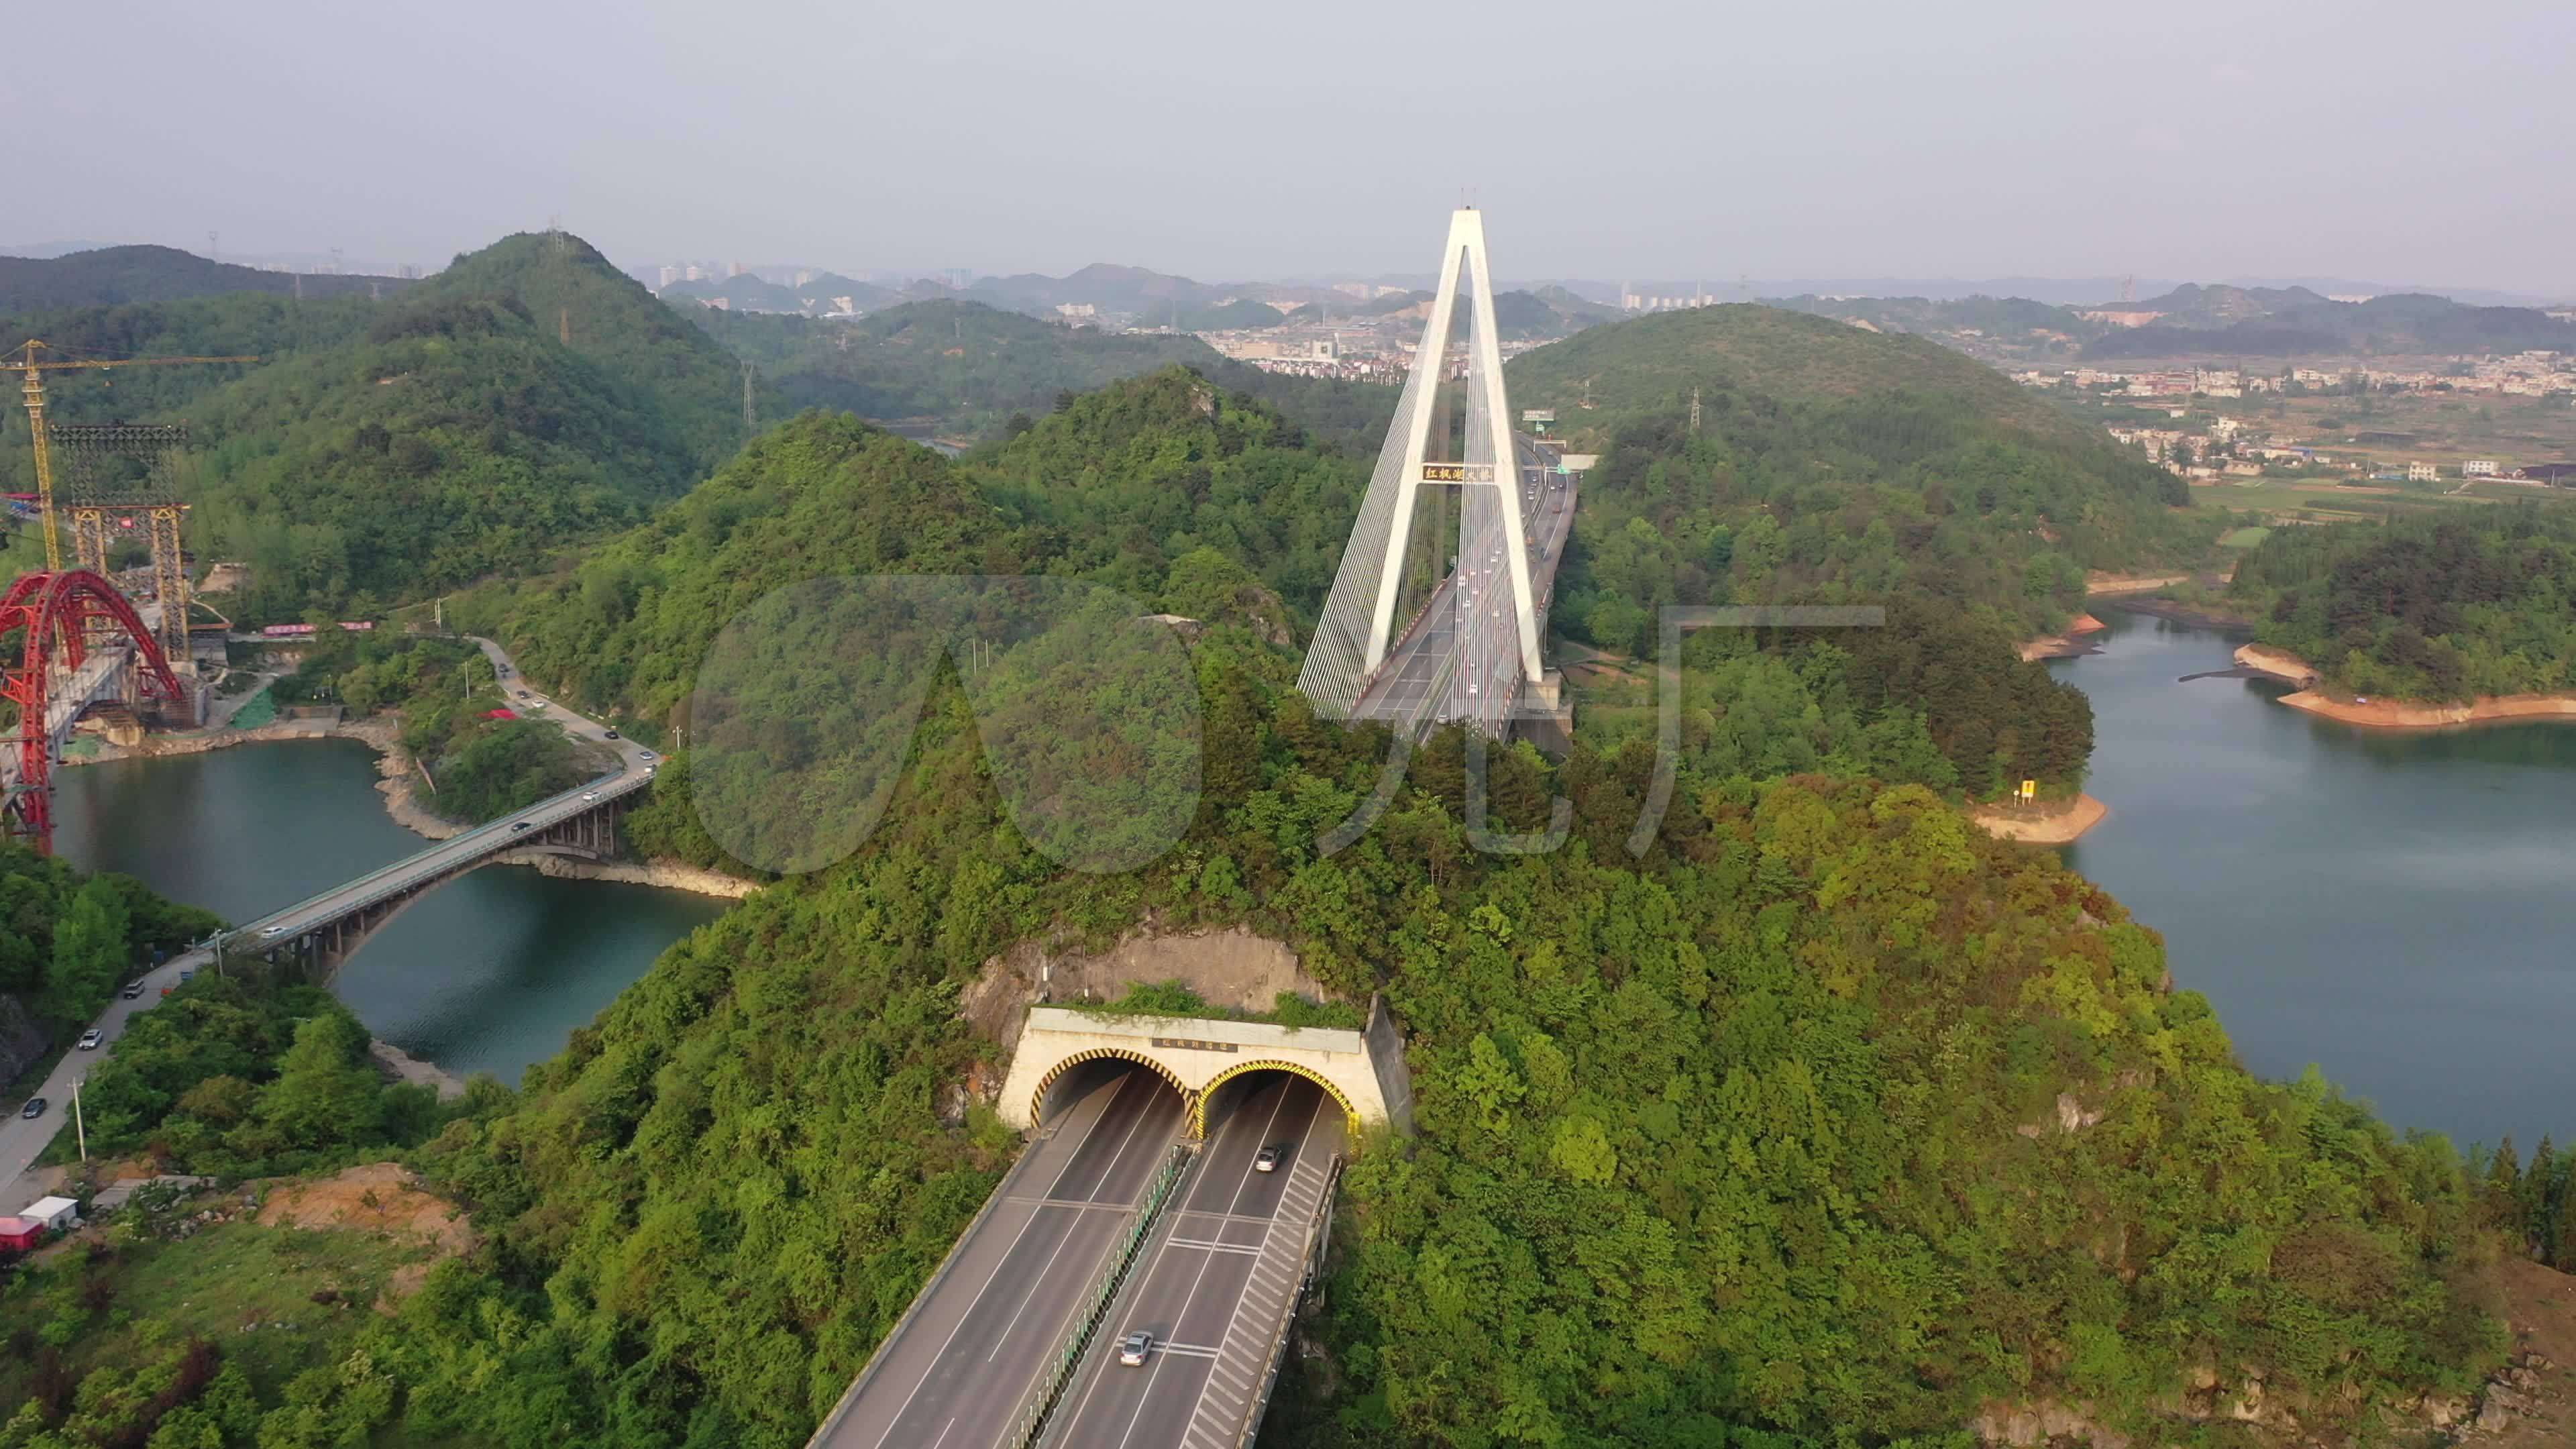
1267 1159
644 754
273 931
590 794
1134 1347
91 1038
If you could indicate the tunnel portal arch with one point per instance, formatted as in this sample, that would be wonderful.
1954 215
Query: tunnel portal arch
1056 1074
1207 1094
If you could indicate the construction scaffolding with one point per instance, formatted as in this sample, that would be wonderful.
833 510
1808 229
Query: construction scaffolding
121 483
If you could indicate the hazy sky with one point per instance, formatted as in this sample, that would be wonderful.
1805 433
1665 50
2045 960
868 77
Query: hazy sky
2379 139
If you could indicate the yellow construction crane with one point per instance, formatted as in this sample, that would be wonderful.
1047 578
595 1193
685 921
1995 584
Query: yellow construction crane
30 361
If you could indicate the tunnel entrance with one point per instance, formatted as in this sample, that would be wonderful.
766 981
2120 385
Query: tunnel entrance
1270 1099
1088 1076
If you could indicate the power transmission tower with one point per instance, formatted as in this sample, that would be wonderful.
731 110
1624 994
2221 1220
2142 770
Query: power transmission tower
214 253
750 419
1694 412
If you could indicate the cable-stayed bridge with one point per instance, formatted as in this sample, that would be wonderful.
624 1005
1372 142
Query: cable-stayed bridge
1458 642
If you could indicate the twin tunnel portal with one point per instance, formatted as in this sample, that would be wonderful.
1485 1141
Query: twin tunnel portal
986 1356
1178 1183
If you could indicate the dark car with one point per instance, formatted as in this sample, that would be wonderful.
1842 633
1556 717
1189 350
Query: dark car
612 734
518 825
35 1107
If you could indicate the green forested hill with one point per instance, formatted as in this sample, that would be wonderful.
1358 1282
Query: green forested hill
969 368
379 451
456 439
577 297
1127 483
1832 464
1647 364
113 276
1118 488
2472 602
962 364
1830 1122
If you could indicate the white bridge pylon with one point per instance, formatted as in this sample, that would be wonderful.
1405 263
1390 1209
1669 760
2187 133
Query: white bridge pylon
1495 643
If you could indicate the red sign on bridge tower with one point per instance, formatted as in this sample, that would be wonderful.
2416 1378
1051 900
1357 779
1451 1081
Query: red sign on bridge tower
68 620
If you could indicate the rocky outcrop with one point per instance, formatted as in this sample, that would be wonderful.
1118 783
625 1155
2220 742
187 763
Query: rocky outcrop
2045 1422
2278 664
669 875
2399 714
2071 1116
2099 582
2055 823
401 1066
2066 645
1226 968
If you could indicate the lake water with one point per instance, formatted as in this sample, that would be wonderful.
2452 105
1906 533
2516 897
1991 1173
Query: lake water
487 973
2395 907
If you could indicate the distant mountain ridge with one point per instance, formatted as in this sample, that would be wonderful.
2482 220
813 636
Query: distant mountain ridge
2294 321
116 276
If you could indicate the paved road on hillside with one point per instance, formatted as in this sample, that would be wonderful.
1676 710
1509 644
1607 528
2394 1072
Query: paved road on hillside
1204 1288
959 1370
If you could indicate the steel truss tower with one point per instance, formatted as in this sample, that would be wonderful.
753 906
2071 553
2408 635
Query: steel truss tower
1489 604
116 476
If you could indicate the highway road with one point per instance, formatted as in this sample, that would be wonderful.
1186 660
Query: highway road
1423 671
22 1140
1212 1287
960 1369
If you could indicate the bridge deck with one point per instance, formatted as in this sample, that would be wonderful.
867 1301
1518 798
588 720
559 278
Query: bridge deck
1422 668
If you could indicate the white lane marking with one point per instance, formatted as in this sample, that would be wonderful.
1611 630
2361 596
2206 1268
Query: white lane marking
1205 1245
1062 1243
1235 1353
943 1434
1146 1394
942 1356
1232 1203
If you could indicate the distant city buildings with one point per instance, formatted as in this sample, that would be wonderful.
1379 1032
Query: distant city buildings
1631 300
2119 318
